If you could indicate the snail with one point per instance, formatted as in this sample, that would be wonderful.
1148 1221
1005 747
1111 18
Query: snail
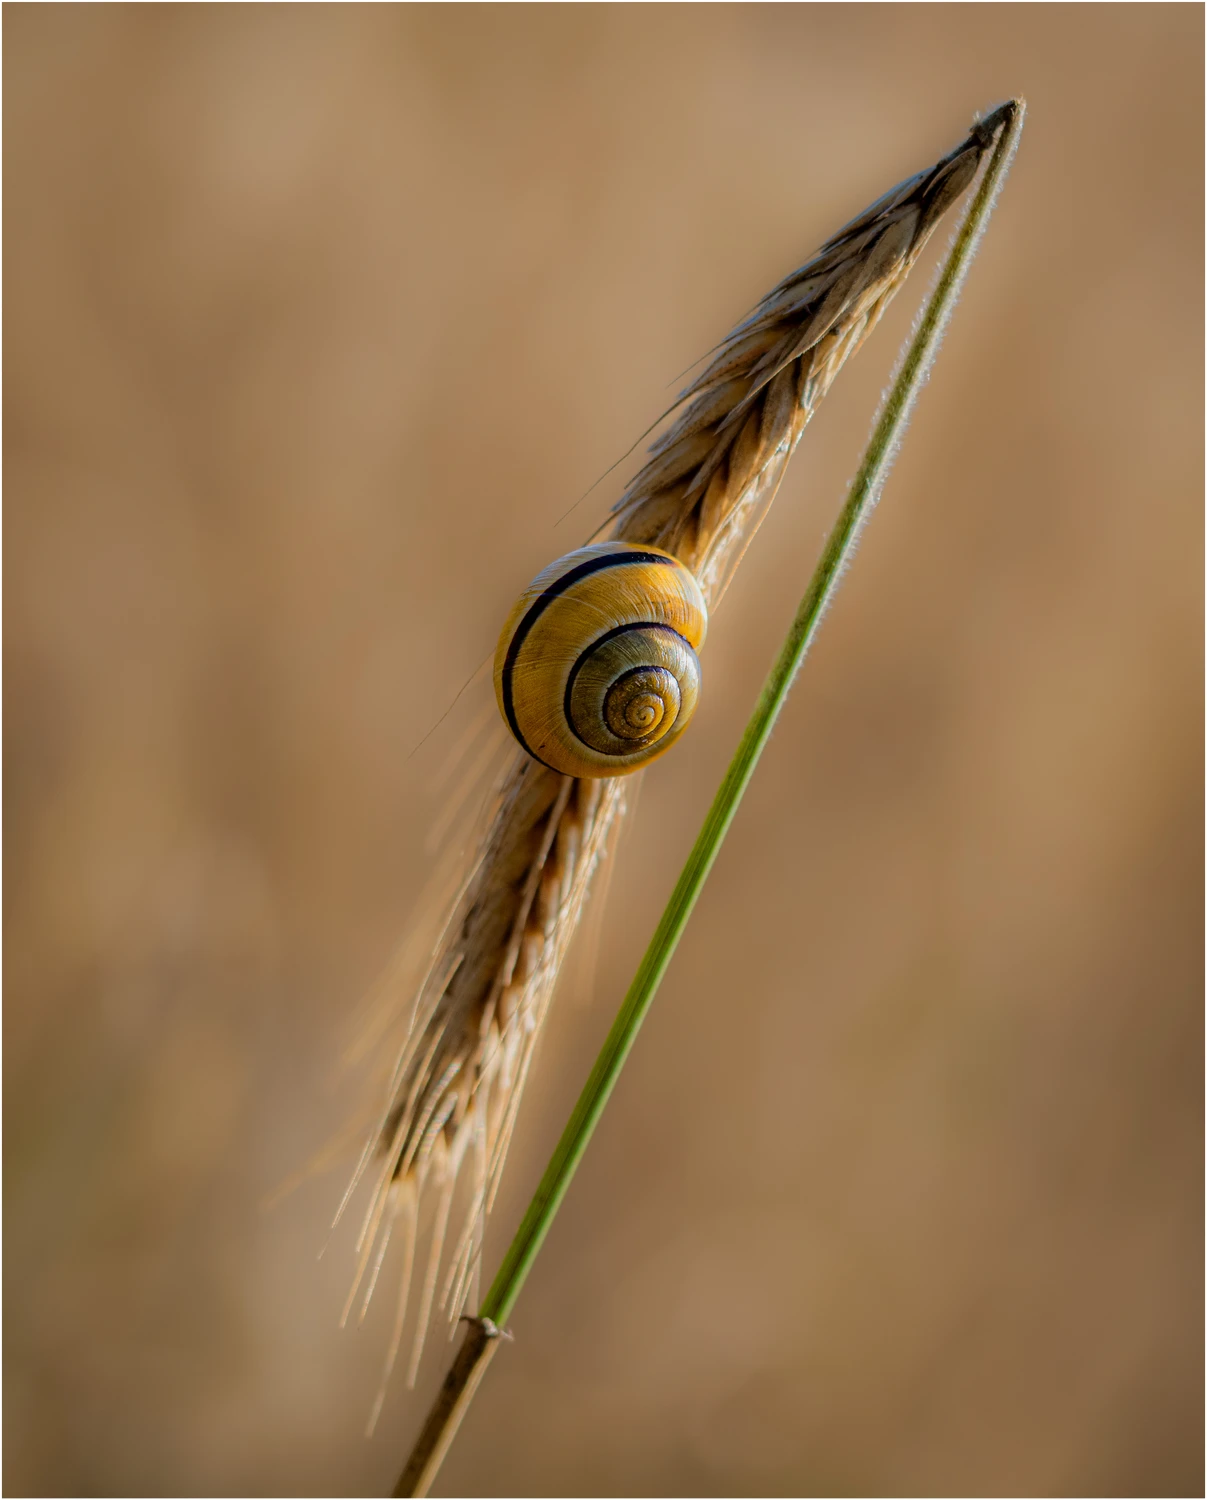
596 671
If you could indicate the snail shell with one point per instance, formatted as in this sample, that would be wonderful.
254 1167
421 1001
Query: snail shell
596 670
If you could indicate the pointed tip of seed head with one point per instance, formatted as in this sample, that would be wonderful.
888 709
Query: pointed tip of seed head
985 127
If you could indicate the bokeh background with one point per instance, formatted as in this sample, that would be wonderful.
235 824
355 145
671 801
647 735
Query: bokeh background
317 319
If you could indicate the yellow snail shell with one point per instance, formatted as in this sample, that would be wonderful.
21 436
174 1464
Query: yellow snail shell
596 670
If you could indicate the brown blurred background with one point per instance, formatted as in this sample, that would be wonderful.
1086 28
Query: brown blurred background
316 320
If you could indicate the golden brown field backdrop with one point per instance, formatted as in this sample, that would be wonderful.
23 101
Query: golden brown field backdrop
317 319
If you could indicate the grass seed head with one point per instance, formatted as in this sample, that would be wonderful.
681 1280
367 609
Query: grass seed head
470 1029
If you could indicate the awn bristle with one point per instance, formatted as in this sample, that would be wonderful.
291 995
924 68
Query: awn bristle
706 486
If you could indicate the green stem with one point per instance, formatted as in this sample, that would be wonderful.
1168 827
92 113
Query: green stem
862 496
864 491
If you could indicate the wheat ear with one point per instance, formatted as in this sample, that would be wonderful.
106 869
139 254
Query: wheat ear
709 478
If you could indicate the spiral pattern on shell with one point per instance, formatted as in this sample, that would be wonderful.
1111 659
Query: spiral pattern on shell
596 670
